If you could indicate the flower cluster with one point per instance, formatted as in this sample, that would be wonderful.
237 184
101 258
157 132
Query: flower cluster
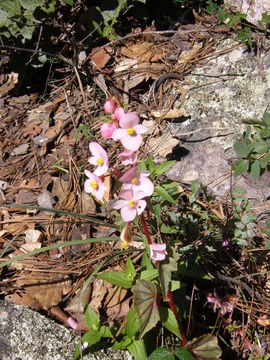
136 185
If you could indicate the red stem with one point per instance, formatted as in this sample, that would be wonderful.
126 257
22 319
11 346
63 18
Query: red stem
145 229
169 294
173 308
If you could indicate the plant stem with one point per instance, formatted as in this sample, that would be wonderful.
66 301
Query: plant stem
145 229
169 294
173 308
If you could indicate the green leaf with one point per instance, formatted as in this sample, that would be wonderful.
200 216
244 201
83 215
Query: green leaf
92 337
205 347
91 319
137 349
175 285
133 326
241 149
123 344
255 170
27 32
168 229
69 2
150 163
116 278
12 7
157 209
159 190
264 161
169 321
145 304
105 332
162 168
184 354
130 270
240 166
149 274
146 263
3 18
266 118
161 353
31 4
165 272
260 148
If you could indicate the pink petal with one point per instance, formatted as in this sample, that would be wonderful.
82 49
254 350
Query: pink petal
145 185
101 169
130 159
97 150
72 323
109 106
119 113
100 191
141 205
119 134
107 130
92 160
158 247
128 214
87 187
140 129
129 120
129 175
119 204
131 142
88 174
126 194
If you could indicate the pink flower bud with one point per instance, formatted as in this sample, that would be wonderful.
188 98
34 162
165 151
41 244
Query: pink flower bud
119 113
107 130
158 252
109 106
72 323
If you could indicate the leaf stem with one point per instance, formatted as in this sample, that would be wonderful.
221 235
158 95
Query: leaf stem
169 294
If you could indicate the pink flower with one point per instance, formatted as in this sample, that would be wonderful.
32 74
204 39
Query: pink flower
94 185
107 130
99 158
130 132
119 113
158 252
128 157
225 304
137 181
109 106
130 205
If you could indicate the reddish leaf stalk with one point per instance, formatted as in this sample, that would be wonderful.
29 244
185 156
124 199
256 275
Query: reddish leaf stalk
173 308
145 229
169 294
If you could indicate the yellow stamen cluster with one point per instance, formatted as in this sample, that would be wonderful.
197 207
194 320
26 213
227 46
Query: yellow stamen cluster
93 184
134 181
99 161
131 203
130 131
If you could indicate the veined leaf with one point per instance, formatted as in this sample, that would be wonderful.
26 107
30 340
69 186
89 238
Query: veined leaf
161 353
130 270
133 325
91 319
241 149
145 304
137 349
255 170
184 354
162 168
159 190
205 347
149 274
165 272
169 321
266 118
116 278
240 167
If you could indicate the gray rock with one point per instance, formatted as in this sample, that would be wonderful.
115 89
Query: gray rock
27 335
214 110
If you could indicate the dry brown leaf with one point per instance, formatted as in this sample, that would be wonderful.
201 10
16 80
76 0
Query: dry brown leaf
162 146
187 56
33 128
32 235
30 246
20 150
88 204
53 130
45 290
8 83
119 311
107 183
165 114
143 51
99 291
17 223
101 56
115 295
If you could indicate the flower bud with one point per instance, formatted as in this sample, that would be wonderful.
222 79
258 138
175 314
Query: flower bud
109 106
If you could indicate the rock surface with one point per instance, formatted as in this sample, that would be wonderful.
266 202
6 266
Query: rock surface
222 93
252 8
27 335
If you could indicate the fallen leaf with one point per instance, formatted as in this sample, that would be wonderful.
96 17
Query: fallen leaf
20 150
45 200
33 236
101 56
143 51
88 204
165 114
161 146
